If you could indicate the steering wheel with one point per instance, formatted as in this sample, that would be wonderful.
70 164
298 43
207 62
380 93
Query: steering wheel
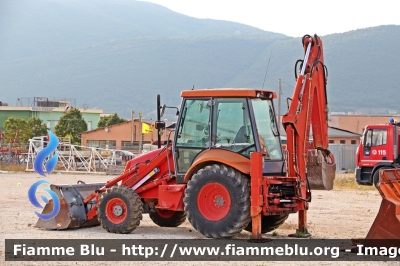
246 148
214 138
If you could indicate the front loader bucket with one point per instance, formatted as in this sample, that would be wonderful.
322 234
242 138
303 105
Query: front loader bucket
73 211
387 222
320 174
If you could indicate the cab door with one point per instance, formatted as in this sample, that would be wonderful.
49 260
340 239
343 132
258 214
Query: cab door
192 135
376 145
367 142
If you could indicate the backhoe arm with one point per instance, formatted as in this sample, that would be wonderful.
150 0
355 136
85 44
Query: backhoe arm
308 109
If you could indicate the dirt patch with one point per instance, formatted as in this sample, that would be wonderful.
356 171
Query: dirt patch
336 214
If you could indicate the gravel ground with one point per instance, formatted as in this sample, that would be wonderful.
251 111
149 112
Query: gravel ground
336 214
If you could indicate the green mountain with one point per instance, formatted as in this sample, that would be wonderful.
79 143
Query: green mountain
119 56
30 28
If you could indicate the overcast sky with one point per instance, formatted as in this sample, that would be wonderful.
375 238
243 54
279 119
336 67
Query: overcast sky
293 17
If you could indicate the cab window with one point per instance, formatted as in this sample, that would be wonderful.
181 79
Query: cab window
375 137
232 129
267 129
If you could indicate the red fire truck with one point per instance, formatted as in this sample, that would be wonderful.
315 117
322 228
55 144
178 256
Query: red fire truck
379 149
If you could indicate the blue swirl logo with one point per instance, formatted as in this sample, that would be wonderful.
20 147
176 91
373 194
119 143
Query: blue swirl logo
35 202
43 154
38 167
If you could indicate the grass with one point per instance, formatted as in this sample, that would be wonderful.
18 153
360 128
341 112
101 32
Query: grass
301 234
12 167
348 181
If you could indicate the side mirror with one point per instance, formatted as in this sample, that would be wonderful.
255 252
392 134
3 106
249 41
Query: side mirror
164 107
162 110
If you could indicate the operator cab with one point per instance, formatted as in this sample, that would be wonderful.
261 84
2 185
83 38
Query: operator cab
236 120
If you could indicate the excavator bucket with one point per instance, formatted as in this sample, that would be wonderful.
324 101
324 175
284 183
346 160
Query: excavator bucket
72 213
387 222
320 173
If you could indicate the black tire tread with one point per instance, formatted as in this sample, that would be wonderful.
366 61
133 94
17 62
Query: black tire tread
242 202
375 177
178 218
269 223
135 206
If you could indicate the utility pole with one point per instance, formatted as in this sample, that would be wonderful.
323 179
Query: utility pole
158 119
133 127
279 103
140 132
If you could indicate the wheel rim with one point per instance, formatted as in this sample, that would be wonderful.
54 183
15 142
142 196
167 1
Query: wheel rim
116 210
165 214
214 201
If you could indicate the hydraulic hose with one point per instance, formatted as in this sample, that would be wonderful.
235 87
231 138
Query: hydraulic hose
325 71
295 67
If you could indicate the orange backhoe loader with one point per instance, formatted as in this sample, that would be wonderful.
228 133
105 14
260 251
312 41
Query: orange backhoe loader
225 169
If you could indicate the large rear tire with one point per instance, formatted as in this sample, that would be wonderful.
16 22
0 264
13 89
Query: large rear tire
120 210
217 201
269 223
168 218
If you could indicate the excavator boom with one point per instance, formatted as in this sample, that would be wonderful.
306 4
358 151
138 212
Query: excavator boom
309 110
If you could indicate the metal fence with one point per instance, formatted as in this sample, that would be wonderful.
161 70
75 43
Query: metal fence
345 156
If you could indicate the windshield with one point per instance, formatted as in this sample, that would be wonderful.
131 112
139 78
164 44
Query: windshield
375 137
267 128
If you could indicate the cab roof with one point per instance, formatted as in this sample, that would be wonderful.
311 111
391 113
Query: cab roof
228 92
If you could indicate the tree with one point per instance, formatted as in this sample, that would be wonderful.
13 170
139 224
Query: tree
37 126
113 119
12 124
72 123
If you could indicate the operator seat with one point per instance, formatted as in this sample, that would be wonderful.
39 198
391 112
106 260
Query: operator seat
242 135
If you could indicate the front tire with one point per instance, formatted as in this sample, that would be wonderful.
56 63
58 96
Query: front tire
120 210
217 201
376 174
